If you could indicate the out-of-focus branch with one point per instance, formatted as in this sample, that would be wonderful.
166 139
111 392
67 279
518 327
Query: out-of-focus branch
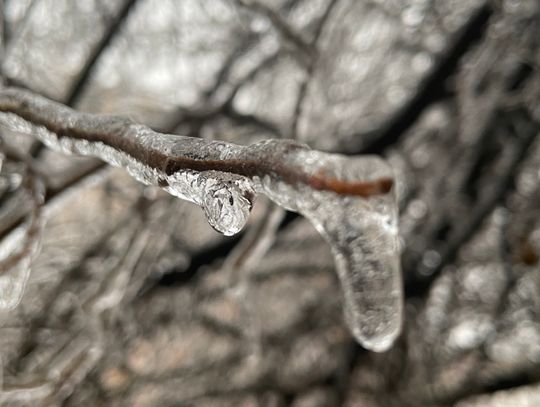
310 69
432 88
78 86
255 243
9 40
51 193
33 183
307 51
3 28
3 36
197 117
84 346
114 28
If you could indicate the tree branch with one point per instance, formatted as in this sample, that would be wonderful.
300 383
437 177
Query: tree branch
347 199
151 149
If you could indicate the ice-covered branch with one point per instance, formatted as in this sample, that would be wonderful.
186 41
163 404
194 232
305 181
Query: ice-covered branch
349 200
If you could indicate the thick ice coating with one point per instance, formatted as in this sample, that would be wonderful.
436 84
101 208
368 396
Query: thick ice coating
224 178
363 234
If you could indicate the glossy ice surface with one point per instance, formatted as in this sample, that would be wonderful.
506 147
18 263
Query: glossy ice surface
362 231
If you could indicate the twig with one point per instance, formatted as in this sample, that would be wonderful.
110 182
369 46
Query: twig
431 88
306 49
124 137
486 205
50 195
75 93
310 69
3 30
226 108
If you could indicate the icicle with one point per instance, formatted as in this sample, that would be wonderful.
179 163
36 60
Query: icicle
363 235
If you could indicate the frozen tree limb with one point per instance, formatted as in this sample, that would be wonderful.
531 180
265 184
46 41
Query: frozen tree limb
349 200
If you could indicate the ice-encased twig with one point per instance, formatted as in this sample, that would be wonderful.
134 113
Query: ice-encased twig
349 199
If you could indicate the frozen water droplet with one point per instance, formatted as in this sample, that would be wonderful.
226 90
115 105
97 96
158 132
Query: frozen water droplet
226 208
226 198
